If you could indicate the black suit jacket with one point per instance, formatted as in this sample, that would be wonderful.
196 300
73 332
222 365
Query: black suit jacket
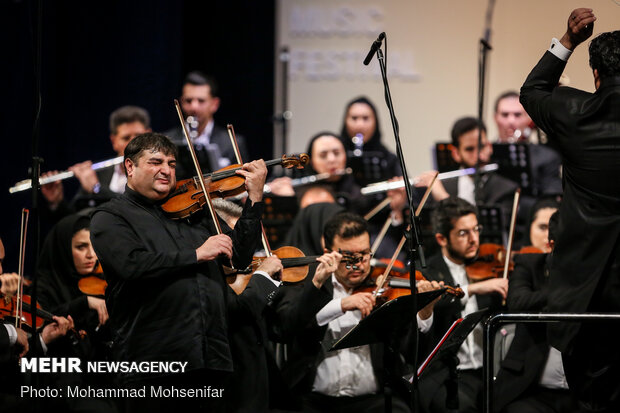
523 365
248 387
493 190
445 312
586 128
219 136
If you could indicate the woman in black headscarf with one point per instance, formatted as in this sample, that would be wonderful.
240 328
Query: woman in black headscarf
370 160
67 256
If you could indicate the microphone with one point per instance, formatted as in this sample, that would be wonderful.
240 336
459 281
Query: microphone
373 49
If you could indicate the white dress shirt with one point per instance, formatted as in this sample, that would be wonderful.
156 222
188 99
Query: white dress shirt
470 352
466 189
119 180
346 372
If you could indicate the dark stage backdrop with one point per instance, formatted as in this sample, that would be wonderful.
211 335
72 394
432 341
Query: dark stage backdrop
99 55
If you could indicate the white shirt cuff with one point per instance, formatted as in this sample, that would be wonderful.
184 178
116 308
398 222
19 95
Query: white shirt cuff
329 312
424 325
12 333
264 274
466 297
559 50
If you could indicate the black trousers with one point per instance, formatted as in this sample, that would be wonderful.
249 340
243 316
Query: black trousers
592 365
542 400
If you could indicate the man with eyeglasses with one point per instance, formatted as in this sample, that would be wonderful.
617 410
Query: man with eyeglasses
348 380
200 100
456 228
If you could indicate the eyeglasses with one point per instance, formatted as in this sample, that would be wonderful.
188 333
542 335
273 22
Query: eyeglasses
352 258
463 233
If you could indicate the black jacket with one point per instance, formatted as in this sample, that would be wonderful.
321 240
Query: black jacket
586 128
219 136
163 305
523 365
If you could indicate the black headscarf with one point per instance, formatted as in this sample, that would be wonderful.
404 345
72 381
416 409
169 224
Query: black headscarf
374 143
58 278
307 227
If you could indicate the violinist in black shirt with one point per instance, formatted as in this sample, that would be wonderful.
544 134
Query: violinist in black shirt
166 290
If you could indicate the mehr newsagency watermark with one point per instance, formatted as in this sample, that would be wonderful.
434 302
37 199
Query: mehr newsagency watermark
74 365
137 392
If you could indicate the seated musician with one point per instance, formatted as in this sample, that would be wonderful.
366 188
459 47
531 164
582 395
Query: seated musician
318 312
15 344
327 156
457 232
66 257
494 190
102 185
200 100
11 336
175 269
538 234
531 377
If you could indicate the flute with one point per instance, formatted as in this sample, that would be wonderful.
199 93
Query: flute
386 186
27 183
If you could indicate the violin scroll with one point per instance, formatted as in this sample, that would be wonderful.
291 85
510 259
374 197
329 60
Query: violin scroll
295 161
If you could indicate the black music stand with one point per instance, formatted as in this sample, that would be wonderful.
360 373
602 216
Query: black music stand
513 160
447 350
383 325
443 157
492 221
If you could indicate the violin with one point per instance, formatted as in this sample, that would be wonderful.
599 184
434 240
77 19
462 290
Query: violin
95 284
396 283
295 268
492 261
295 264
188 198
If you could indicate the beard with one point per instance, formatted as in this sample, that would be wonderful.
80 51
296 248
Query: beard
460 257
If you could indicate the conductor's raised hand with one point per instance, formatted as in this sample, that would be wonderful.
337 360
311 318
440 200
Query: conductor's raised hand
215 246
255 173
579 28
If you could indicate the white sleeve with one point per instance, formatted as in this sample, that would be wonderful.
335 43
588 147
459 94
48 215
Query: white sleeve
559 50
424 325
329 312
264 274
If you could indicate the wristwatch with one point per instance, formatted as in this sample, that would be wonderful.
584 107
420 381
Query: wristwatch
96 188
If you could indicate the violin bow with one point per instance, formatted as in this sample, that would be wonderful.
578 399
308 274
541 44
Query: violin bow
201 179
383 278
511 232
20 270
233 141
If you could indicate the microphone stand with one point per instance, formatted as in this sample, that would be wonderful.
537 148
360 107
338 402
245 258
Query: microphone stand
285 115
413 234
485 47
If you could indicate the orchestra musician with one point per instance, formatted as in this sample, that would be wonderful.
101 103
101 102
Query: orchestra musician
493 190
200 99
97 187
315 314
585 272
370 160
66 257
15 343
531 377
457 232
515 125
167 295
